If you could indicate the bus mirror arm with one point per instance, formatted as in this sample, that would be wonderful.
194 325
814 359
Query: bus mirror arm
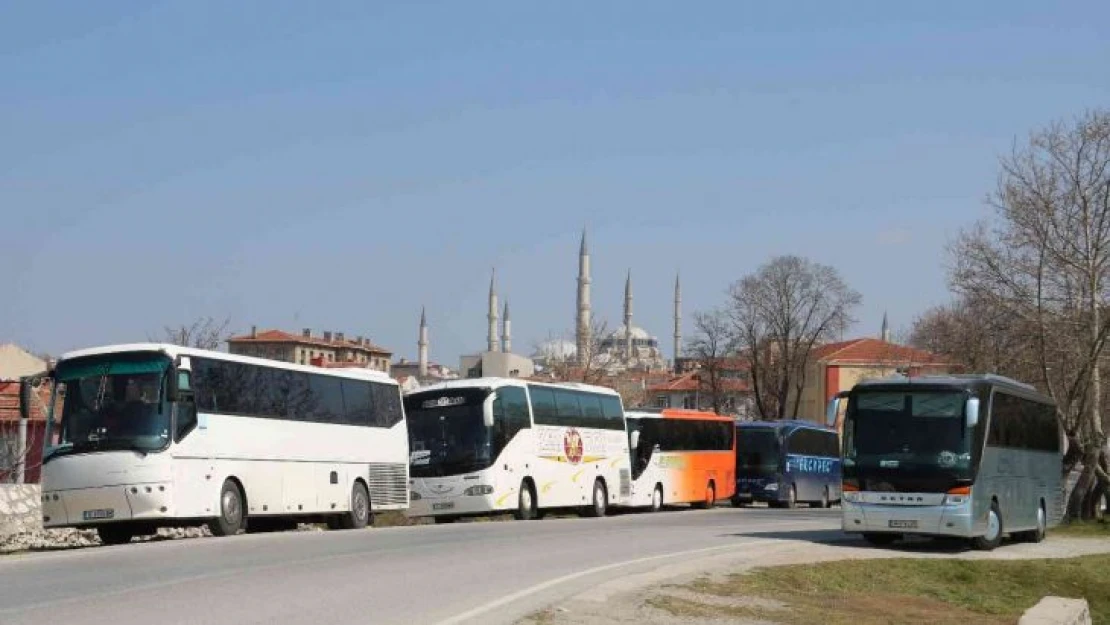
972 412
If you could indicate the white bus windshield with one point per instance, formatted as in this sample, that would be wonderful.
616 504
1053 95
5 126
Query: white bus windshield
114 402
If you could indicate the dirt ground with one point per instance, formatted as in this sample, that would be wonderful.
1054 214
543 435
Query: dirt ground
628 600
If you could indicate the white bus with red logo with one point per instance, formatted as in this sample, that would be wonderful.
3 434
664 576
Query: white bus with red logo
489 445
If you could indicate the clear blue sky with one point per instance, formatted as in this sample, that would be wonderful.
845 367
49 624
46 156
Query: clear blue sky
334 166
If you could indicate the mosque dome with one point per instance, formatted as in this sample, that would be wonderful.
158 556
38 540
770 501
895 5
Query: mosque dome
555 349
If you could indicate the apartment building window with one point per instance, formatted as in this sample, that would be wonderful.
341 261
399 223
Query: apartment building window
661 401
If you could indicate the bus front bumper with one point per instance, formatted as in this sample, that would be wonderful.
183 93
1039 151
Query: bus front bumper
107 504
931 520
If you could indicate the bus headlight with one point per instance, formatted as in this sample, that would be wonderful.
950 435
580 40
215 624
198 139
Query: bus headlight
480 489
850 496
414 496
955 500
771 487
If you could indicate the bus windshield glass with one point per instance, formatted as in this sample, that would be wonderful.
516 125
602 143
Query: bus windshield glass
907 431
114 402
757 450
447 434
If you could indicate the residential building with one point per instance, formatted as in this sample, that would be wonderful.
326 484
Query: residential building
330 349
692 389
837 367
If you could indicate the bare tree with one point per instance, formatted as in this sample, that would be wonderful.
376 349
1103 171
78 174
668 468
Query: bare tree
204 333
1045 260
779 314
713 341
591 369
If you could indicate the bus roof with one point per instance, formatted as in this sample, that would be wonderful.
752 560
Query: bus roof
675 413
174 351
970 381
494 382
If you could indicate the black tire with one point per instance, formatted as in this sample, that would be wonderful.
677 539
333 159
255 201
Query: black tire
738 503
657 498
987 542
599 500
1036 535
118 534
233 514
824 503
791 498
526 506
358 517
882 540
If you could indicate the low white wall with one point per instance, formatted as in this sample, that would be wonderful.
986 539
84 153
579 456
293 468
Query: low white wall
20 508
1058 611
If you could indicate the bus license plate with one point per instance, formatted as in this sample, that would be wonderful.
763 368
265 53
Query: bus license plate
447 505
103 513
903 524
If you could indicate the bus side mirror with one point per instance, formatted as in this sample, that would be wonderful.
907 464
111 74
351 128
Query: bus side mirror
487 410
24 398
831 410
972 412
635 440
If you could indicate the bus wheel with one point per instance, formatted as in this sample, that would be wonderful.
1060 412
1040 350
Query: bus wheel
657 498
792 497
118 534
526 504
358 516
824 503
1035 535
231 516
599 501
993 537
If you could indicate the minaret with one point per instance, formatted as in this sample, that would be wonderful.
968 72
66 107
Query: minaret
677 321
422 346
582 324
491 337
628 318
886 329
506 331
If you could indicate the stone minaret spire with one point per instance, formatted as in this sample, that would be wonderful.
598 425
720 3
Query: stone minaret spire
886 329
628 317
582 322
422 346
491 316
677 320
506 331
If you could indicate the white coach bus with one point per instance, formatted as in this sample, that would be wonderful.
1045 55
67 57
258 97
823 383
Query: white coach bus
153 435
486 445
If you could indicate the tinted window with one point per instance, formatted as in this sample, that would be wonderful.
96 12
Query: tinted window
387 405
686 434
807 442
359 403
543 405
1019 423
573 408
257 391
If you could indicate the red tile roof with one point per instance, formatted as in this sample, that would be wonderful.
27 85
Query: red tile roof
869 351
690 381
279 336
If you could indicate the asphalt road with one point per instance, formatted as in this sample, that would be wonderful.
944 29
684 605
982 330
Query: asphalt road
461 573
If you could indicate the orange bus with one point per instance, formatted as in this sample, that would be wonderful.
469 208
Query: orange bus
681 457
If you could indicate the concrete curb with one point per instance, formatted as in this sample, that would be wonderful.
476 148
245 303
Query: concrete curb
1057 611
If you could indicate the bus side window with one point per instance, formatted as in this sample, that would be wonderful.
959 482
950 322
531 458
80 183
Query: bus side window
510 412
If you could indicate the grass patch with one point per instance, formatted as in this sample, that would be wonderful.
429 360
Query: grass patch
1085 529
870 592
